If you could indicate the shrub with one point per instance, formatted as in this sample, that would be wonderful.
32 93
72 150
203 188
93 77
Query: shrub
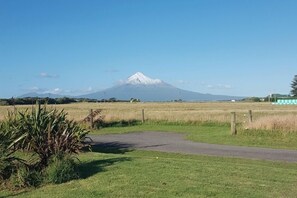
62 168
26 177
47 133
8 162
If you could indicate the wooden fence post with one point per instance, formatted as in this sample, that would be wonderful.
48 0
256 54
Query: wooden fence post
91 119
250 116
142 115
233 123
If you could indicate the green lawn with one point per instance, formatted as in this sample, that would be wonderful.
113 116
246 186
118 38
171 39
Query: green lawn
155 174
215 134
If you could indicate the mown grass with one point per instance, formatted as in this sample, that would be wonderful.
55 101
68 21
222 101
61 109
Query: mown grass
214 133
155 174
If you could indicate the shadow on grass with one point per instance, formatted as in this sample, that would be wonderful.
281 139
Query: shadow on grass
93 167
111 147
89 169
120 123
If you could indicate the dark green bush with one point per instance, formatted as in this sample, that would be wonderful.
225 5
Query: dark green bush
61 168
8 165
26 177
8 162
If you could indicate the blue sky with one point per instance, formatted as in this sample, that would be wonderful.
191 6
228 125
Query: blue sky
232 47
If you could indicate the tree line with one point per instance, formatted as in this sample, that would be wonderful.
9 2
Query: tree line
64 100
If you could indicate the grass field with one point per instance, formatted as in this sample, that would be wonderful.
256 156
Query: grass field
154 174
175 112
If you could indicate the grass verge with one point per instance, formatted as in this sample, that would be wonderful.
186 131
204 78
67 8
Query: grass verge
155 174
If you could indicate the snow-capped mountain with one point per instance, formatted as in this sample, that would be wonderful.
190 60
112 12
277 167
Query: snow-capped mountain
147 89
140 79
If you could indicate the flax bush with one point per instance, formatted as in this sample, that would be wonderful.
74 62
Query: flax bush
8 134
43 133
48 132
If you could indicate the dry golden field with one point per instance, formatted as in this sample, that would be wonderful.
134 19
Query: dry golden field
180 112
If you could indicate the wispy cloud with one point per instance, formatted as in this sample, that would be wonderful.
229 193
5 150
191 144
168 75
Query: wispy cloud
183 82
55 91
60 91
74 92
47 75
89 89
219 86
34 89
44 91
82 91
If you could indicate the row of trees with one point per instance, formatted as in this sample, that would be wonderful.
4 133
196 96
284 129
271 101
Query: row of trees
65 100
33 100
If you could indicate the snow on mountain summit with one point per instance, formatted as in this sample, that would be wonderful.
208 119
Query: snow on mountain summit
140 79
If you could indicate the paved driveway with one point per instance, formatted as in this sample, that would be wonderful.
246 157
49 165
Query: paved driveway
175 143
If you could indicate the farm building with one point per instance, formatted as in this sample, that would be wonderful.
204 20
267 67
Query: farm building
287 101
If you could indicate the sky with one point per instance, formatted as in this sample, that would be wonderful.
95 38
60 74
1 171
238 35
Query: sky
74 47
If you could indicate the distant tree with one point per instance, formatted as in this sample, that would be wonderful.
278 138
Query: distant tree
252 99
112 99
294 86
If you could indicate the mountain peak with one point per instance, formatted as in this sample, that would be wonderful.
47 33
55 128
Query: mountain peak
140 78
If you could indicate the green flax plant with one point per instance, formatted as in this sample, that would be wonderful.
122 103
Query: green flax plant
44 133
47 133
8 134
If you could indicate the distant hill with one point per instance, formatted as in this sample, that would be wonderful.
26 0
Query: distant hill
41 95
146 89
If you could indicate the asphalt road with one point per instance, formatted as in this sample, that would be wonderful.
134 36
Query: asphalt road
175 143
